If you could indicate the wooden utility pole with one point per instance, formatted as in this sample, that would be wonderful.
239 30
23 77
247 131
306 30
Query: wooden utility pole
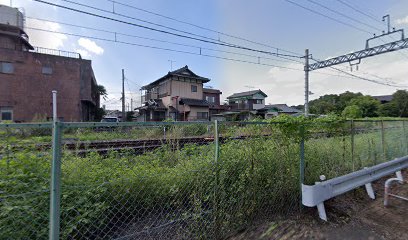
123 96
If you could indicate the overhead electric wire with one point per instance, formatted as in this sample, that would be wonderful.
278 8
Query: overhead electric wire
359 11
203 28
162 48
326 16
164 31
344 15
363 78
163 41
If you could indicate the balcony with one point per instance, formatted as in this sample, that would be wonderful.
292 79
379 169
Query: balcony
239 106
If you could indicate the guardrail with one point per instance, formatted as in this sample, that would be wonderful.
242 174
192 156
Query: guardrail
315 195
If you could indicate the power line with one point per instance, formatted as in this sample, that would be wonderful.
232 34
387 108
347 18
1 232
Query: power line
210 56
326 16
165 49
359 11
162 41
344 15
200 27
163 31
363 78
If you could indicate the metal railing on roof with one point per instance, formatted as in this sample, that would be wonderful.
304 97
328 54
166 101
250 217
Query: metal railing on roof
57 52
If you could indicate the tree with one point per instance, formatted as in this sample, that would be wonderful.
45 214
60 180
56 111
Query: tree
400 99
388 110
368 105
321 107
102 92
352 111
344 99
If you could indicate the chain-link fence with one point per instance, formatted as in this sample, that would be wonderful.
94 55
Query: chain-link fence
335 149
173 180
25 163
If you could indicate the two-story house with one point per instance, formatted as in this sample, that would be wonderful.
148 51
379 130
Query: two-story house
247 101
178 95
243 105
212 96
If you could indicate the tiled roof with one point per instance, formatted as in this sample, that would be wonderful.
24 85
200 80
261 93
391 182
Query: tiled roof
194 102
248 93
211 90
182 72
283 108
383 98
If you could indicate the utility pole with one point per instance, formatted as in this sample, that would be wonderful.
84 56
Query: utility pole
306 82
355 56
123 96
131 104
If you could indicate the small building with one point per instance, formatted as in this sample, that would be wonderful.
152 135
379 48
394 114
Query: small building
274 110
178 95
28 75
384 98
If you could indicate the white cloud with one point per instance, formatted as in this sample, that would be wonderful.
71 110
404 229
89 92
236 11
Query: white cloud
90 46
402 21
45 39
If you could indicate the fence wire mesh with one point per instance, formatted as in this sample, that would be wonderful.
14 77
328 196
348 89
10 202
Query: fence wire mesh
138 182
335 149
25 161
176 180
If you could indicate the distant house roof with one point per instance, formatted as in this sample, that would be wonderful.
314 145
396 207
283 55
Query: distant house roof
211 90
182 72
194 102
247 94
283 108
383 98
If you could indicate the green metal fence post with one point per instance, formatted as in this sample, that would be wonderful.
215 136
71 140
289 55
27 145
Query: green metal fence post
302 155
352 143
55 191
406 137
217 180
384 151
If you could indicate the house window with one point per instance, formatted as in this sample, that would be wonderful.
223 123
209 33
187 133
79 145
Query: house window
210 99
259 101
6 67
193 88
47 70
202 115
6 114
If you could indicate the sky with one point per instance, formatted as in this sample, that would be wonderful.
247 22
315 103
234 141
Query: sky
328 28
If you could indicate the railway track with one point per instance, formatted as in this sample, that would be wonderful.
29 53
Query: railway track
141 146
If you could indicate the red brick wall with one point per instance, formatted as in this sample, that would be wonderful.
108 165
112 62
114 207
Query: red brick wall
28 90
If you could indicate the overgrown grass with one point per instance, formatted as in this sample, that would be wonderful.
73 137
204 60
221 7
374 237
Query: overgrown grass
105 196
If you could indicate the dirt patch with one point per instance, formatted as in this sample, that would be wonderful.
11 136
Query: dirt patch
351 216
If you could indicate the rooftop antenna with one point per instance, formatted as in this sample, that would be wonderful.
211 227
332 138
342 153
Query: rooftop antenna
249 87
171 64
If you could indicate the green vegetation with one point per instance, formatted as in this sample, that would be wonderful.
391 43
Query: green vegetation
104 195
369 107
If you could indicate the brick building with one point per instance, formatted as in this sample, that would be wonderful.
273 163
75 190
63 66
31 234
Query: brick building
28 75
